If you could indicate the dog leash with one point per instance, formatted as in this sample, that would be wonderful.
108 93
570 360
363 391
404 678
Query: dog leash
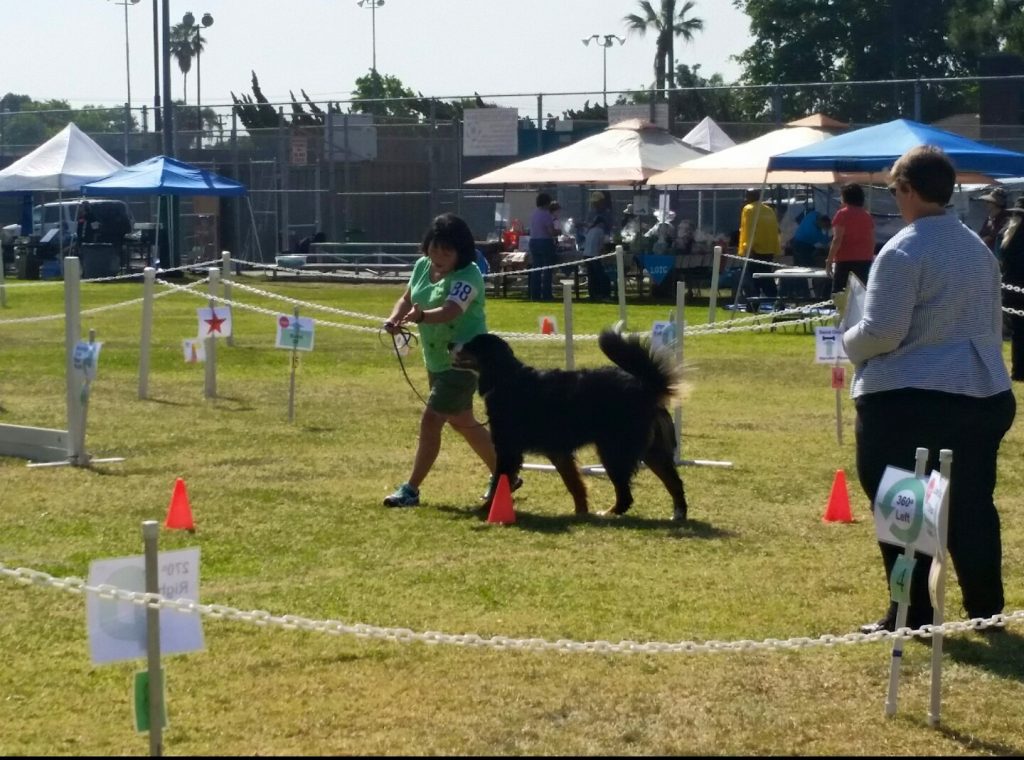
408 337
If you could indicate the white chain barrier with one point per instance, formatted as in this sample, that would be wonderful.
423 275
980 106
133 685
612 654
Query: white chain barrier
26 576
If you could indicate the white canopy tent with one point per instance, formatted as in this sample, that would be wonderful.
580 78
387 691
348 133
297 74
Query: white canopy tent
626 153
708 136
63 163
746 164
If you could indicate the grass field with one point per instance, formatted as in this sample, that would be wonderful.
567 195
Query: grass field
289 520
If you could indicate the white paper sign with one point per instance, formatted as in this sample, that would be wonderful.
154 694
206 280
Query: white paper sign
85 358
117 629
294 333
934 494
215 322
194 350
490 132
663 334
899 511
828 345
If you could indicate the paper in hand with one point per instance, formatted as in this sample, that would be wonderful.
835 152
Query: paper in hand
850 302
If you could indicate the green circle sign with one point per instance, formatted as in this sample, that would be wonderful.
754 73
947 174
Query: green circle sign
903 506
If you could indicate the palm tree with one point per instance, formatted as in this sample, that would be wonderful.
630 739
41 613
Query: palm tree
186 44
667 23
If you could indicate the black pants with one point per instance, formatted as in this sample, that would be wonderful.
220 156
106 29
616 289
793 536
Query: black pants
762 285
1015 301
890 426
542 254
843 270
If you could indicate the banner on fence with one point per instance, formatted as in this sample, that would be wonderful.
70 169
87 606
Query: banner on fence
658 266
490 132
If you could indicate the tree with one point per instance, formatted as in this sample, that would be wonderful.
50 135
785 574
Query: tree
186 44
28 123
666 24
808 41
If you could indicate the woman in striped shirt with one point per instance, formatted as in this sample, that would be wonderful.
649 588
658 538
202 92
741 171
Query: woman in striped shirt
929 372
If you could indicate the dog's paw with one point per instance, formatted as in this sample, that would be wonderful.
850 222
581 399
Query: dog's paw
610 512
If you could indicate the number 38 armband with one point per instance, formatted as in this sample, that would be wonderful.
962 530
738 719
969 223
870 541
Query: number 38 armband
462 293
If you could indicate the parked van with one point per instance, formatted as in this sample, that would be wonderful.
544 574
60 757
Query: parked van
112 220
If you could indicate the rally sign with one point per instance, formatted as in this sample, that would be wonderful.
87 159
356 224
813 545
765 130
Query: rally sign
214 323
828 346
294 332
663 334
899 511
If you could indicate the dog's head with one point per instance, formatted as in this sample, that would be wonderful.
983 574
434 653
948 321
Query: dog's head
486 353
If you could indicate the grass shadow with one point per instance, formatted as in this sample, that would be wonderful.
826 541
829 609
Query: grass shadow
164 401
553 524
975 745
1001 654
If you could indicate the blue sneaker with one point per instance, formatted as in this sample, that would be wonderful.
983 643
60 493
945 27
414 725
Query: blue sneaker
405 496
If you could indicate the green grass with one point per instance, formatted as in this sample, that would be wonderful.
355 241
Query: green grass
289 520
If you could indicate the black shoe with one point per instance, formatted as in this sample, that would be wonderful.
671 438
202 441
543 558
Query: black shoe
514 486
885 624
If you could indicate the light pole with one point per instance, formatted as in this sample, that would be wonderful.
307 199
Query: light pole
189 22
127 57
373 5
605 41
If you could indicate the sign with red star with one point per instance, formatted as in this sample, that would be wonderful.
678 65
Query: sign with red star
214 322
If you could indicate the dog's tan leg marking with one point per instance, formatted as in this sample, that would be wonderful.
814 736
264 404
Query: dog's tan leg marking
565 464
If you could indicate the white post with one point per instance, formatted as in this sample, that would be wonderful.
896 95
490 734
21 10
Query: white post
620 273
210 384
295 364
83 400
150 534
72 332
570 357
920 462
680 326
148 277
716 268
937 588
225 274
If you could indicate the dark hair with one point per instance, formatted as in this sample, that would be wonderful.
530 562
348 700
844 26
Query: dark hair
451 231
852 194
543 199
928 171
320 237
753 194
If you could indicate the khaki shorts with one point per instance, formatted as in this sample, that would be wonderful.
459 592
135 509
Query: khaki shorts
451 391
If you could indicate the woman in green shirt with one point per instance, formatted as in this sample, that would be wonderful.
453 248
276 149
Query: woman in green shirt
445 297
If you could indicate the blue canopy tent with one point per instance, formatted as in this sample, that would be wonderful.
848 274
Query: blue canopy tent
163 175
875 149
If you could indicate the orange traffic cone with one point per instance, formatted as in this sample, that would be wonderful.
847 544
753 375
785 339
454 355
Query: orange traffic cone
179 513
547 326
501 505
838 509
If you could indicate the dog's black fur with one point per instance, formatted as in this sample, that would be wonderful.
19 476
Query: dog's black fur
621 410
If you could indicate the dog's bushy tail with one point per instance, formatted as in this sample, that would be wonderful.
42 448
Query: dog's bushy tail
633 354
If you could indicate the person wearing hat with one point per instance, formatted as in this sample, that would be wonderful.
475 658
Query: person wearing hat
1011 255
997 216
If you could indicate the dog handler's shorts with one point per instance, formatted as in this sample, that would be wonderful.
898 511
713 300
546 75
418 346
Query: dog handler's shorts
451 391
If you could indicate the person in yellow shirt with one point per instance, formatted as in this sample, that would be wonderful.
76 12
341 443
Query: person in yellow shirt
759 233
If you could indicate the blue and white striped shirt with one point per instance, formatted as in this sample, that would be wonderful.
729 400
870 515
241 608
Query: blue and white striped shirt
932 316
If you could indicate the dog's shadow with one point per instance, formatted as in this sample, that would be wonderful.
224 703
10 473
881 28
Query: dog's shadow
551 524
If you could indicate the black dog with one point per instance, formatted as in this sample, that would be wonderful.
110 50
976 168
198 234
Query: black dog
555 412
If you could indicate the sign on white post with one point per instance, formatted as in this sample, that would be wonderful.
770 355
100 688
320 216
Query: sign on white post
828 346
85 359
294 332
899 511
194 350
117 629
663 335
214 322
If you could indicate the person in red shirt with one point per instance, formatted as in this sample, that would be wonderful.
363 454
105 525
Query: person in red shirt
853 239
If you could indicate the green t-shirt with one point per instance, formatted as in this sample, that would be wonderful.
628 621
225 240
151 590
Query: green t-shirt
464 286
